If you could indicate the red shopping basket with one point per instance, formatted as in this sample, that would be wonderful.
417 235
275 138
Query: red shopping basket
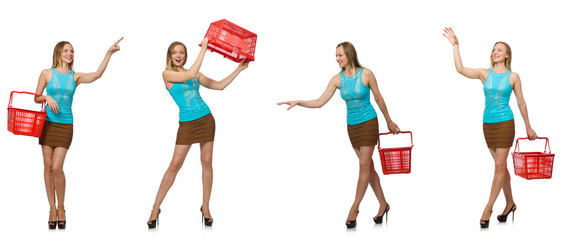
533 165
25 122
231 41
396 160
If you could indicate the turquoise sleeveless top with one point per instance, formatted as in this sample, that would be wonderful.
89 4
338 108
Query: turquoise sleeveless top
497 91
357 99
61 88
187 97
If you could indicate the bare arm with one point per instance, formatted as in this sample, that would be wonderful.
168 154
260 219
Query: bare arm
221 85
93 76
321 101
514 77
372 83
41 84
174 77
474 73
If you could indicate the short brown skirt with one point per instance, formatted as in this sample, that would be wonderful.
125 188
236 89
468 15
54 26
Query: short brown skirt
56 134
197 131
364 134
500 134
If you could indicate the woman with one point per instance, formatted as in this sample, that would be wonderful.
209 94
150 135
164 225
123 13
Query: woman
197 124
61 82
499 129
354 83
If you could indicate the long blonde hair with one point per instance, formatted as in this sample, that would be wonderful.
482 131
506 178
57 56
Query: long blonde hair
507 61
57 61
169 64
351 55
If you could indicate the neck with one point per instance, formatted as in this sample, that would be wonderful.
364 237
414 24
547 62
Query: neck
499 68
64 68
350 71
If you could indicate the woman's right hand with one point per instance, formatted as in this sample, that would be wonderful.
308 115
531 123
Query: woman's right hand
290 103
451 36
52 104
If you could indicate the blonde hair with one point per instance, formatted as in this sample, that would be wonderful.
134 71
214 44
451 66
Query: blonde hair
57 61
351 55
169 64
507 61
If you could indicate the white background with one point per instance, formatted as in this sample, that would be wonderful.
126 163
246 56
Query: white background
279 174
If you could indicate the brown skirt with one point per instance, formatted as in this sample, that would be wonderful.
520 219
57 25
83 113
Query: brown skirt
56 134
500 134
197 131
364 134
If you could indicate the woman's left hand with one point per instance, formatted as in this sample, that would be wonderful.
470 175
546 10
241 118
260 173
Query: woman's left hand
115 47
531 134
243 65
393 127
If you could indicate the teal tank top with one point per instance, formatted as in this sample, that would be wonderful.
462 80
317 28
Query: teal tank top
187 97
61 88
357 99
497 90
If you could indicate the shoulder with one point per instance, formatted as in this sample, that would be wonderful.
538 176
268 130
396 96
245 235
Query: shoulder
513 75
514 79
46 74
367 73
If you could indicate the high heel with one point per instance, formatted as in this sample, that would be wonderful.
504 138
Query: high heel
485 223
378 219
52 224
352 224
62 224
207 221
503 218
154 223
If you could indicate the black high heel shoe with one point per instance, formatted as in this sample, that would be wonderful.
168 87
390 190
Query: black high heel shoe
62 224
154 223
503 218
485 223
352 224
207 221
52 224
378 219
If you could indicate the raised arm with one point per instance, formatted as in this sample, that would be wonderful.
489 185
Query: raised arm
514 77
173 76
93 76
318 103
372 83
478 73
220 85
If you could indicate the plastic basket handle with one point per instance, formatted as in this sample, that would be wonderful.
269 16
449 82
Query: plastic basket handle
380 134
547 144
12 96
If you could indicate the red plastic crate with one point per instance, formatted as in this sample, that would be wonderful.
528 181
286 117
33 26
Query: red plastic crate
396 160
533 165
25 122
231 41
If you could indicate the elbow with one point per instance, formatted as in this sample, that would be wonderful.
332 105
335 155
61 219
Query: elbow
459 70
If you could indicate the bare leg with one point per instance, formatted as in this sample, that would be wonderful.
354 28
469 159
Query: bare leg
375 183
49 181
365 165
207 175
501 180
59 154
180 152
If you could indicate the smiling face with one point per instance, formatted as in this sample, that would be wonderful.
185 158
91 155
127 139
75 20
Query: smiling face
501 54
341 58
63 54
67 54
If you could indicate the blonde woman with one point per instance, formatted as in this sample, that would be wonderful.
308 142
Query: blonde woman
354 83
61 82
499 128
196 125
